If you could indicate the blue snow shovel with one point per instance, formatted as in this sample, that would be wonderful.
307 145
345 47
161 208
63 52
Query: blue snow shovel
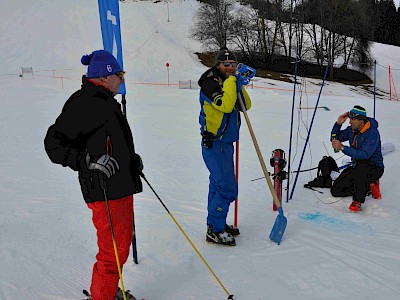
280 223
279 227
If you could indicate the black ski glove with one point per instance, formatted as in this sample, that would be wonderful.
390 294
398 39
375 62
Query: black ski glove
207 139
138 163
106 164
138 187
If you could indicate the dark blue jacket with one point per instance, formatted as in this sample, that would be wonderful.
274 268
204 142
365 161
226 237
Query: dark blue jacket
367 143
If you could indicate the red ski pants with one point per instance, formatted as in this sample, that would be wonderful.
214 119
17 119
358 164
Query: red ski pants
105 271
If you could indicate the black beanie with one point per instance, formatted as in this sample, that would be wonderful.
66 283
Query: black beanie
224 54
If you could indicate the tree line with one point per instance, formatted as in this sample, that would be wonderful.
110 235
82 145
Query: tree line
322 32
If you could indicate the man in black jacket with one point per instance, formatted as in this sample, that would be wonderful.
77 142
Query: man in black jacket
93 137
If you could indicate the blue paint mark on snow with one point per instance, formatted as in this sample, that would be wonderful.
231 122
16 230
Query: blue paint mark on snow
335 223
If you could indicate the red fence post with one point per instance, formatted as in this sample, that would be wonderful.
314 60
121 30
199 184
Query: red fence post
235 219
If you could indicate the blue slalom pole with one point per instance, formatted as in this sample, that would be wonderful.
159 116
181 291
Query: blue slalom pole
291 126
309 131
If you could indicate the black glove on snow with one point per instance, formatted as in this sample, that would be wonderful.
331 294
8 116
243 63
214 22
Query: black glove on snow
105 164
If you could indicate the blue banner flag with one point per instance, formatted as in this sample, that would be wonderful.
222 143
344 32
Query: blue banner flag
111 31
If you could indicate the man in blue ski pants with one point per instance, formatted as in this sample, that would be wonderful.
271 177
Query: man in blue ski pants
220 123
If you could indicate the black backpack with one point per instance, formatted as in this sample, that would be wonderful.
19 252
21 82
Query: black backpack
323 180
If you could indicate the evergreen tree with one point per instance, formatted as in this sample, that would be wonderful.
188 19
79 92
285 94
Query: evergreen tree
362 56
386 17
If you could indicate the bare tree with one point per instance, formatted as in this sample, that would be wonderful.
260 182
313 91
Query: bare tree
263 13
323 31
213 23
276 9
292 22
245 32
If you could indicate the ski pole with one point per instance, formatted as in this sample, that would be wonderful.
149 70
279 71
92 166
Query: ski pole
134 244
230 296
309 132
291 124
261 159
235 218
104 187
280 223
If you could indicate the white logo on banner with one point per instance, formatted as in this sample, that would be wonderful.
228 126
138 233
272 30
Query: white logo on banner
113 20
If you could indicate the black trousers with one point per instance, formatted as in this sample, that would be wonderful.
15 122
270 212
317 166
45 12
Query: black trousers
354 181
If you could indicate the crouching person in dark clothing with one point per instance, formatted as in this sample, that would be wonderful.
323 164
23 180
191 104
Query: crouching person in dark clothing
93 137
365 151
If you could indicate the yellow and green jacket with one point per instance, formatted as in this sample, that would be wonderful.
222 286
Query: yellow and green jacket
219 106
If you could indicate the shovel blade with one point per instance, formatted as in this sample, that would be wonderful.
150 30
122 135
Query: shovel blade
279 227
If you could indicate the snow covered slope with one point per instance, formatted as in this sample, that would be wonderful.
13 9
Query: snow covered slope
47 240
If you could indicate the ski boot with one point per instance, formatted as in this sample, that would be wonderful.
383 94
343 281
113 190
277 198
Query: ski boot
375 190
232 230
355 206
222 237
120 296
